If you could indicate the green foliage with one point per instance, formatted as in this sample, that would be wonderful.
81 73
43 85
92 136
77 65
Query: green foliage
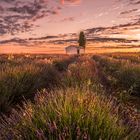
80 73
82 40
24 80
63 64
131 57
70 103
123 75
66 114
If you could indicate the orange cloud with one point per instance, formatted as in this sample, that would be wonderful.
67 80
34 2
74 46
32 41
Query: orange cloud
62 1
70 1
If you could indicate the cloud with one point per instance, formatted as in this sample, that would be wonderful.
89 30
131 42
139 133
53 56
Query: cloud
130 2
134 2
70 1
44 38
20 16
68 19
133 9
28 41
15 40
128 11
122 29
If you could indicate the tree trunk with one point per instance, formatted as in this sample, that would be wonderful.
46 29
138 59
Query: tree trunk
78 51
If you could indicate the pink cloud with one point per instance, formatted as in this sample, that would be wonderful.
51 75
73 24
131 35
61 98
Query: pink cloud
70 1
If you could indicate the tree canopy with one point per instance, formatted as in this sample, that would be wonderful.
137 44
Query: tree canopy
82 40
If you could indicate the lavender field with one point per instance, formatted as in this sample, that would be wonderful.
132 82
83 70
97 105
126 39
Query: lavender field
61 97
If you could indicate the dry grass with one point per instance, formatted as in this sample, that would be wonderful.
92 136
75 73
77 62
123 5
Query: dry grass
74 105
67 114
23 76
121 74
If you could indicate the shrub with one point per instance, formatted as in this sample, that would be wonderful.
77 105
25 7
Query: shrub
62 65
25 80
66 114
122 75
80 73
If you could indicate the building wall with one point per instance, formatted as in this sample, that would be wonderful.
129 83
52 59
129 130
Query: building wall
73 50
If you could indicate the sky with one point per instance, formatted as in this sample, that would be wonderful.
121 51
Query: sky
40 18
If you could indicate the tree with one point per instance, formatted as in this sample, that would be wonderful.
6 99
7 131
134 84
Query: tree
82 40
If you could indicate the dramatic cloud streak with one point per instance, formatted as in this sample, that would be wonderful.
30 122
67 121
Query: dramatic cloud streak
24 18
19 15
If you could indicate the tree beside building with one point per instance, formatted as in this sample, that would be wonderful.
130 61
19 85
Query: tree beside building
82 40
